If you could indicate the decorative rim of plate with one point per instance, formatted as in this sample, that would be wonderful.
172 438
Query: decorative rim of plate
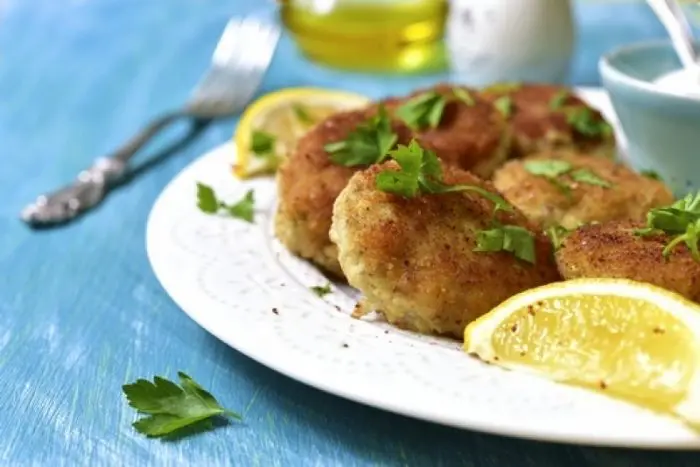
239 284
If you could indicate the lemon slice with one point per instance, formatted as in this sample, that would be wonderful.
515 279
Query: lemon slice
280 119
627 339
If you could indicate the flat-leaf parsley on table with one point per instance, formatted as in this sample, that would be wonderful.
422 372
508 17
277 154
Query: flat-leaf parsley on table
170 408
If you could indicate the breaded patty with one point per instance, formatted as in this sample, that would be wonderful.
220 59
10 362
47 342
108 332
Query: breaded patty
545 117
414 259
473 136
308 183
549 202
613 250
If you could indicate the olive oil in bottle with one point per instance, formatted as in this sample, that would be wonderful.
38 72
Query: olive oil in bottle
400 36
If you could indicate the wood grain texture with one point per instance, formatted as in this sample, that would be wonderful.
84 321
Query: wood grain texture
80 310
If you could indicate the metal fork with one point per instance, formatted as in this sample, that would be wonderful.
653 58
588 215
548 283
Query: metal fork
238 65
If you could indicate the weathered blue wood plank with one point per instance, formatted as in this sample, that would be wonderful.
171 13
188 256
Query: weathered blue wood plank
80 310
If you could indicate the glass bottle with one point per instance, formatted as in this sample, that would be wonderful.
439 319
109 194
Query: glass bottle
370 35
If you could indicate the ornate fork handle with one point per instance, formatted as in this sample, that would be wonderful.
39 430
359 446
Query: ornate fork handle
92 184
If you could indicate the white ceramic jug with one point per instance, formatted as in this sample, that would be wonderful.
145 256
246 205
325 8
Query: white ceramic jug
510 40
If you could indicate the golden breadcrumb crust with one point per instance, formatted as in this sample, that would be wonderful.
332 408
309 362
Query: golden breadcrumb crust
538 126
471 136
544 203
414 259
613 250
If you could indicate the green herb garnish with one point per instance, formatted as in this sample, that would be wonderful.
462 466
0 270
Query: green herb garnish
169 408
302 114
587 176
584 121
321 290
511 238
421 172
551 169
243 209
464 96
262 144
206 199
368 144
557 234
208 202
504 104
557 102
681 221
548 167
423 111
651 174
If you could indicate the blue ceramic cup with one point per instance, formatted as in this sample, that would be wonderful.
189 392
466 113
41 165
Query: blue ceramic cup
662 129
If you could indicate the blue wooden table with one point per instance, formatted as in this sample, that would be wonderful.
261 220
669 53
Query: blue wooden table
80 310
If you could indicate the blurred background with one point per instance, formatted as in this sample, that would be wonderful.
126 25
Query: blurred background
79 77
143 57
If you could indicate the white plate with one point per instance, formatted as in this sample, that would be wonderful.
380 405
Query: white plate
237 282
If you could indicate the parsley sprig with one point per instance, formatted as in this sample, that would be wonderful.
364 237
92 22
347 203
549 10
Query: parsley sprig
652 174
681 221
321 290
557 234
504 105
511 238
302 114
421 173
368 144
585 122
557 102
423 111
209 203
262 144
464 96
552 169
169 408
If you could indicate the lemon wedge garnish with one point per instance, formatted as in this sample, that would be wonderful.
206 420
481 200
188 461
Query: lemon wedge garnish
626 339
279 119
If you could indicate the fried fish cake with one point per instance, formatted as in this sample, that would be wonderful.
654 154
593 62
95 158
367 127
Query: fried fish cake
308 183
415 260
545 117
613 250
472 133
573 199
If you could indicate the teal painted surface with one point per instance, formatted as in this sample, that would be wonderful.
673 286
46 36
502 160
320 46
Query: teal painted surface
80 310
